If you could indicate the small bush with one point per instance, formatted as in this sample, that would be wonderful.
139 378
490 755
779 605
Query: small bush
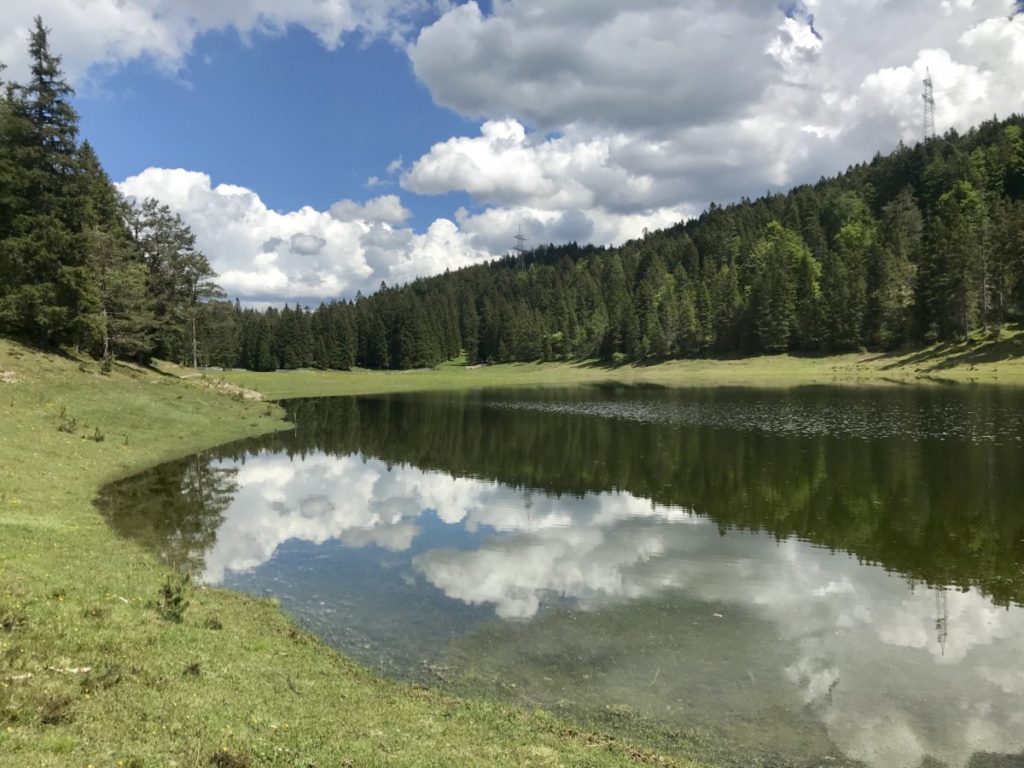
98 612
55 710
9 622
172 603
104 678
225 759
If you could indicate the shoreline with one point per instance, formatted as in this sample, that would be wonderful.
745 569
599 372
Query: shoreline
981 362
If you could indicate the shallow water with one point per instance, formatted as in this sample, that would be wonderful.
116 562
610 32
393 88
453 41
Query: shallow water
780 578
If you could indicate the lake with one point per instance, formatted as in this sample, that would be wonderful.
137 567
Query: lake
754 577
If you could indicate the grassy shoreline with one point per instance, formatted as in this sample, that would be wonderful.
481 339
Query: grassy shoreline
92 674
992 361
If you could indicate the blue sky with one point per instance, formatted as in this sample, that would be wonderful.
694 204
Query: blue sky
261 122
280 114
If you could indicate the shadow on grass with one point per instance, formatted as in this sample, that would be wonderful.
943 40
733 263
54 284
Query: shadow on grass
960 354
720 357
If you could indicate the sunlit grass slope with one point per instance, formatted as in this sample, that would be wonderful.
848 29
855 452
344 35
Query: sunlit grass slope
983 360
94 668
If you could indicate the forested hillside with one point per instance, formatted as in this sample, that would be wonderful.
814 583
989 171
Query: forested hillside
922 245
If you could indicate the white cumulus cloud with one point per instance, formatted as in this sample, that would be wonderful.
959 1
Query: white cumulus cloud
306 255
112 32
655 62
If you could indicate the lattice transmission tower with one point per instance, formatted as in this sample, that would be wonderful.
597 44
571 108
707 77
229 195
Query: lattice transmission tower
520 247
929 106
941 619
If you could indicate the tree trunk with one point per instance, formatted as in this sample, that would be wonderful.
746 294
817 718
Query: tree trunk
967 319
195 350
984 290
106 336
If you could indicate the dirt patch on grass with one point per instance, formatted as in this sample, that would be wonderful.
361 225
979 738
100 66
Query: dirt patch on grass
225 759
8 377
55 710
219 385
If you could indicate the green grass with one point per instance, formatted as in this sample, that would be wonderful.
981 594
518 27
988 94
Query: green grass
983 360
94 669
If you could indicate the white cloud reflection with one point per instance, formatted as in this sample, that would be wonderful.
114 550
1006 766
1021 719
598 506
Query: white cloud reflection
856 639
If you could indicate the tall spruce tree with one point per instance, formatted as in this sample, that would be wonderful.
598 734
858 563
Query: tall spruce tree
121 323
772 300
893 272
117 314
42 254
950 287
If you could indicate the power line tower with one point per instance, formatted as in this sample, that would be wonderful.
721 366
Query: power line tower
941 619
929 106
520 247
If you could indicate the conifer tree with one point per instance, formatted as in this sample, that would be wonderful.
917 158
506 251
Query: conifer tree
122 321
893 271
180 278
41 251
772 300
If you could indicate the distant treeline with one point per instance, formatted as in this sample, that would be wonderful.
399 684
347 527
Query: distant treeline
922 245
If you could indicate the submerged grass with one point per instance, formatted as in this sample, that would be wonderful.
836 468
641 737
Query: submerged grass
107 659
985 360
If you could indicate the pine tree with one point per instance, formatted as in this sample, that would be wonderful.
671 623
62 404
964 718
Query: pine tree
263 345
688 331
123 321
1008 258
844 283
42 250
893 271
951 287
470 330
115 313
623 325
10 175
180 278
725 303
219 332
775 261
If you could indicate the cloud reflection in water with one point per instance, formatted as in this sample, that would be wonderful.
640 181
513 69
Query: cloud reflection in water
863 647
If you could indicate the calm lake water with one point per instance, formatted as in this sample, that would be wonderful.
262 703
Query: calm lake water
755 577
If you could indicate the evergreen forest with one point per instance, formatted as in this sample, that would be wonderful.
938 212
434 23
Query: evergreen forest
925 244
